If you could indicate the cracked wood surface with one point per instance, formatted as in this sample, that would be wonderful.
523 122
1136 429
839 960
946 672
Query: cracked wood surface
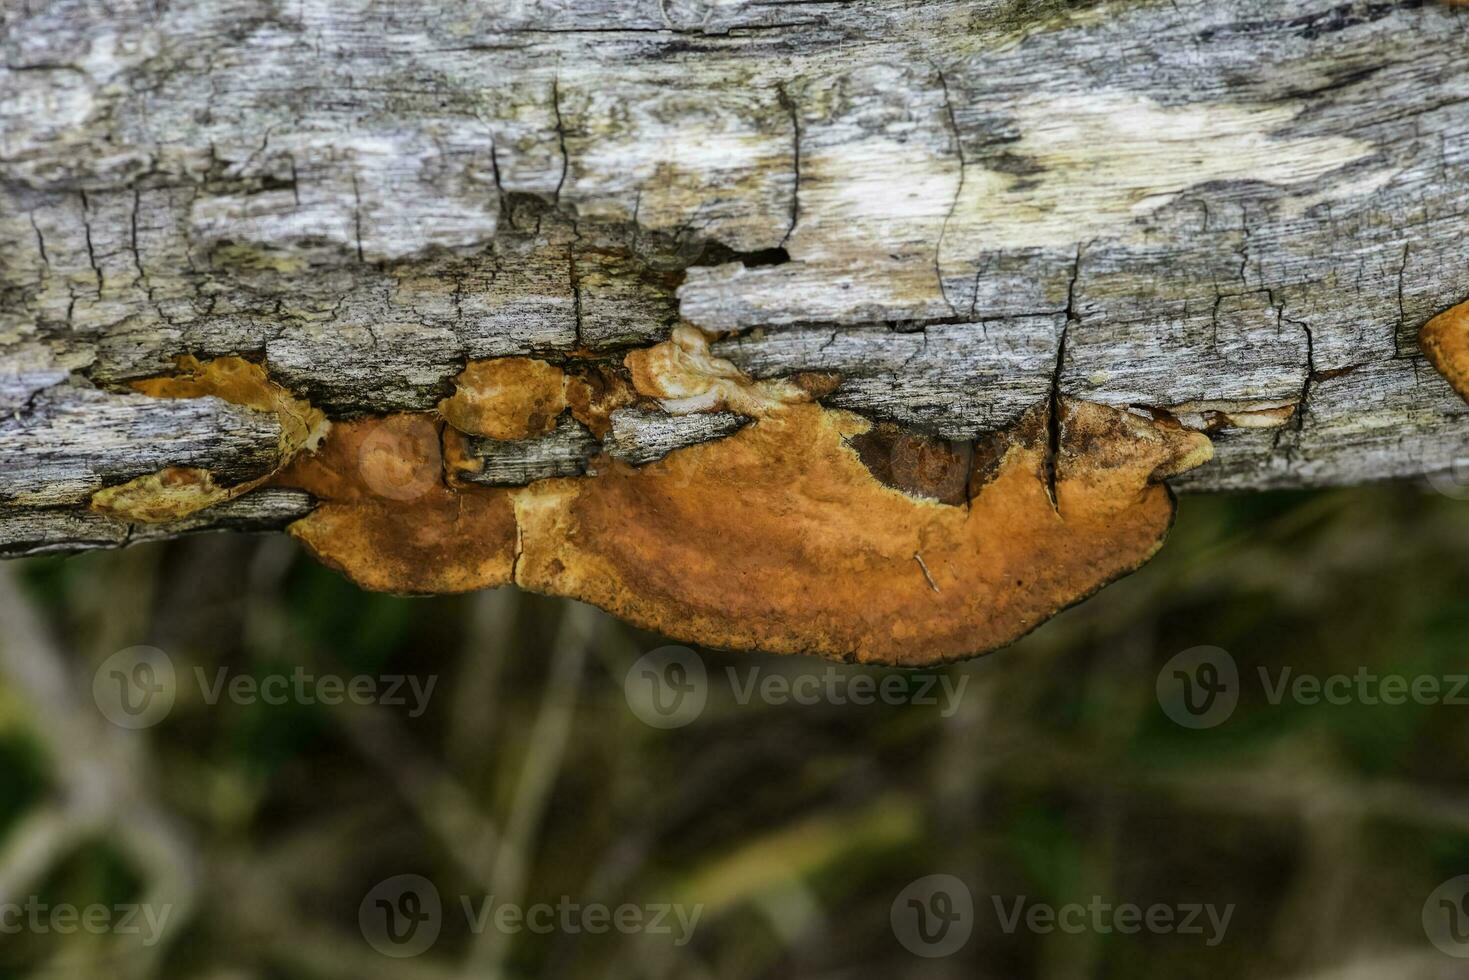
1229 214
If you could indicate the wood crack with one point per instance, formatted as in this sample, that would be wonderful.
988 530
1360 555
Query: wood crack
938 252
560 136
793 111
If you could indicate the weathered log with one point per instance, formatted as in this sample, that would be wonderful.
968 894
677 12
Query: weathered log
1225 218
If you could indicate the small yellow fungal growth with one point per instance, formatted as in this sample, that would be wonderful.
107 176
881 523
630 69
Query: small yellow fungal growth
168 495
1445 339
506 398
176 492
686 378
246 383
1211 416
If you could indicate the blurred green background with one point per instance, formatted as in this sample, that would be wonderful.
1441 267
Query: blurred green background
795 826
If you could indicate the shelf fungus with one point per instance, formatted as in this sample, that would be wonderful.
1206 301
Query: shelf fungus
780 538
806 530
1445 339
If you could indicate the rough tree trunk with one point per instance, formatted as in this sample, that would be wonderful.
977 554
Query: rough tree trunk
947 217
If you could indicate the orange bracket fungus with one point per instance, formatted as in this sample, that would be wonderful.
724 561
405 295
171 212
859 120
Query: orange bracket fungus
807 530
1445 339
779 537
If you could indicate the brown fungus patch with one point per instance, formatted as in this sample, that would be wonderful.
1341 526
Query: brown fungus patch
506 398
1445 339
387 520
915 463
779 537
594 392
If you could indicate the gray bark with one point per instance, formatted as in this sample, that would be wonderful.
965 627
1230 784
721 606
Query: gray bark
1236 212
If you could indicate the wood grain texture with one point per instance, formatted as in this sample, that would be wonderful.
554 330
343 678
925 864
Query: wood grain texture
1231 213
